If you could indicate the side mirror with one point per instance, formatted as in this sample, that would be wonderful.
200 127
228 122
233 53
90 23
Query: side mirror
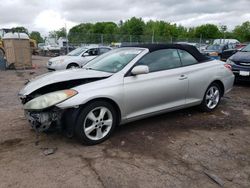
140 69
85 54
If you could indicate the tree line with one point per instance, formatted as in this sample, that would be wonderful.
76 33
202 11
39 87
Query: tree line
136 29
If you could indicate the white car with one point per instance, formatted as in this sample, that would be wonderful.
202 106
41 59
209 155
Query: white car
76 58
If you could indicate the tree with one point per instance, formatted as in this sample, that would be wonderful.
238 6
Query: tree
242 32
58 33
20 29
133 26
80 33
208 31
36 36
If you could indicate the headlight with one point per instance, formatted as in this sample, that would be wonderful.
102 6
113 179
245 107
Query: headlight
230 62
58 61
50 99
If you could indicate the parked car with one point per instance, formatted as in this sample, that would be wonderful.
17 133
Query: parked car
240 63
226 41
76 58
124 85
215 51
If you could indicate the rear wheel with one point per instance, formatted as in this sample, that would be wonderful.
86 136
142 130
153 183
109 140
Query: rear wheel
211 98
96 122
72 66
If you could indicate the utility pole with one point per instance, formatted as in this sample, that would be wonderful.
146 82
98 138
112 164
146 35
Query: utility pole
153 36
67 40
102 39
200 41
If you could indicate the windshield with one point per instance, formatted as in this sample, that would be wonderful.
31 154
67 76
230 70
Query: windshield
214 47
114 60
246 49
77 51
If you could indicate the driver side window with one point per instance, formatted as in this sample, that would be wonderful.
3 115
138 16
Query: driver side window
161 60
92 52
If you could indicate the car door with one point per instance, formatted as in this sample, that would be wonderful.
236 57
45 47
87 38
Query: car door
164 87
199 75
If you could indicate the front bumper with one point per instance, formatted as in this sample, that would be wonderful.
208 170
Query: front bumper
43 120
237 69
52 66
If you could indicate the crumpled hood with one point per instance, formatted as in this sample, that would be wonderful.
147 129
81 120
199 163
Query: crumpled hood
60 76
241 56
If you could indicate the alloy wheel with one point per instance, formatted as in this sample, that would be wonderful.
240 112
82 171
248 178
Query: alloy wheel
212 97
98 123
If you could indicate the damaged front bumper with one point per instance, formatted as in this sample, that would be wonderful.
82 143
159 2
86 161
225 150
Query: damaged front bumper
42 120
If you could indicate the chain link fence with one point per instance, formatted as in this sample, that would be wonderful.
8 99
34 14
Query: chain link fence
106 39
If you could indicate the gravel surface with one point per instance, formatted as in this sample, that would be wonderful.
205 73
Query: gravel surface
186 148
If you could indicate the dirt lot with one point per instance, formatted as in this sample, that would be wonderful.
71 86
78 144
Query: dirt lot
171 150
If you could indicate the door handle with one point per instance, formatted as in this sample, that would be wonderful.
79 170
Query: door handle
183 77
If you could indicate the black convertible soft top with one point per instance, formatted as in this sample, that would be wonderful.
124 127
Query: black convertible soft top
189 48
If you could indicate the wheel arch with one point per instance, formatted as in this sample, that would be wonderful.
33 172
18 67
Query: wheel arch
106 99
221 85
72 63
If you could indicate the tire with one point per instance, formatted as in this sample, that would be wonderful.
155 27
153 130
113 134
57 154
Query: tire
211 98
95 123
72 65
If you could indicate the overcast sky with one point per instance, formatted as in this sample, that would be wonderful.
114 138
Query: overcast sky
47 15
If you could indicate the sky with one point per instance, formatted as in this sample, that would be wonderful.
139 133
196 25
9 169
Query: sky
48 15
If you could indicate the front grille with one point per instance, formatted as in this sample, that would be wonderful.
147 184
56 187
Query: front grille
49 63
243 63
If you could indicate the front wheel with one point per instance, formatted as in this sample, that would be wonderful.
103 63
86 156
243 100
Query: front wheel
72 66
211 98
96 123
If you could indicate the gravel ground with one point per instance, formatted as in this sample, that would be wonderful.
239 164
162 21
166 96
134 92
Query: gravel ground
178 149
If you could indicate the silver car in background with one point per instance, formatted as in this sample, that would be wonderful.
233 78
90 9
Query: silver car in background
124 85
76 58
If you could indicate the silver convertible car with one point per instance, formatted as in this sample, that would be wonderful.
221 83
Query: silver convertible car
124 85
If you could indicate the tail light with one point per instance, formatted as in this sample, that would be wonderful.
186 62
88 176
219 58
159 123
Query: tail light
228 66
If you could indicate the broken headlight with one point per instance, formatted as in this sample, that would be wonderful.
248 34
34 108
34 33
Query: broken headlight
49 99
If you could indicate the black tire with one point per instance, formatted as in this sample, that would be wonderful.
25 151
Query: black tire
72 65
204 106
82 119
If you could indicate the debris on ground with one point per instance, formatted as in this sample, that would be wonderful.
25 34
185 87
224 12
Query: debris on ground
225 113
211 139
49 151
122 143
215 178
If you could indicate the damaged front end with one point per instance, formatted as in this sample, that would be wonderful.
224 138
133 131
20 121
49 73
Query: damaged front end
41 95
42 112
44 120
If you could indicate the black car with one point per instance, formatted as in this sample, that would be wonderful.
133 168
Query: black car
240 63
219 51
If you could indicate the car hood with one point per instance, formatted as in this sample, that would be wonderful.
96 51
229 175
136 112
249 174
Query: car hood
61 76
64 57
241 57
